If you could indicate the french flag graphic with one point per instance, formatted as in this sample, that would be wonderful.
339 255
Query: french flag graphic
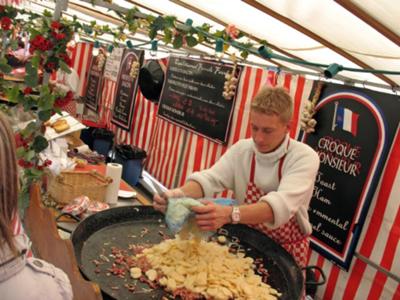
347 120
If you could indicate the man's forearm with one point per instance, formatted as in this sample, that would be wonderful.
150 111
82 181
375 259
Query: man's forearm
256 213
192 189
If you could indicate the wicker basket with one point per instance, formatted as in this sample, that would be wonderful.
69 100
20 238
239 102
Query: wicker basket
71 184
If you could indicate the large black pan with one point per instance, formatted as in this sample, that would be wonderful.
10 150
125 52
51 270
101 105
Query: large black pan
123 226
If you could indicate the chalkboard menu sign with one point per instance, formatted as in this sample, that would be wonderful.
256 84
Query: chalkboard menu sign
126 88
192 97
113 63
355 130
94 81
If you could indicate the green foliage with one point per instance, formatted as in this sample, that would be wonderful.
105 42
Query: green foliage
31 78
191 41
178 41
4 67
39 144
44 115
13 94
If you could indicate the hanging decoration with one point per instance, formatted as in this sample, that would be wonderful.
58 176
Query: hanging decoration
134 69
231 81
307 122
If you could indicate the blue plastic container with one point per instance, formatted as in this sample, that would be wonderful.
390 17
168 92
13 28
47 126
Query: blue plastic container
103 140
131 159
102 146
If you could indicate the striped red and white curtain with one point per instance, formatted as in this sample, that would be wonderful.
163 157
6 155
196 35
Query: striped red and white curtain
81 57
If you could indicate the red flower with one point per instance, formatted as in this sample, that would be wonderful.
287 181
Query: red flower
5 23
28 90
25 164
55 25
47 162
232 31
39 42
18 140
58 36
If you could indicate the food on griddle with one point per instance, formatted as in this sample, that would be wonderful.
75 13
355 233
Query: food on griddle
221 239
136 272
193 268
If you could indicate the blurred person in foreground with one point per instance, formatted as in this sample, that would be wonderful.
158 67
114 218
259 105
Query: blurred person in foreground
272 177
21 275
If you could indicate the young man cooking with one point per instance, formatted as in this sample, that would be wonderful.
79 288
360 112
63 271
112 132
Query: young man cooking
272 176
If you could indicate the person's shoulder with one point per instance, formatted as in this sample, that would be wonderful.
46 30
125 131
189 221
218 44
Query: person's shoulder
242 146
300 149
52 277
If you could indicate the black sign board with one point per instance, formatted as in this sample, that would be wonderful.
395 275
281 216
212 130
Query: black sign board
354 133
192 97
94 81
126 88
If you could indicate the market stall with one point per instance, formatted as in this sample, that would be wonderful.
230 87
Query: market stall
176 92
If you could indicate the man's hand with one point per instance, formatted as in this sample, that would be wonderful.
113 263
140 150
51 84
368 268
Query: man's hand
160 201
212 216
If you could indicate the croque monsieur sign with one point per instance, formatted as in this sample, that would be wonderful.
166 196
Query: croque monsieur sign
354 133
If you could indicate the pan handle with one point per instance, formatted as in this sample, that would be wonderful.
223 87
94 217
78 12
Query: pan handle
312 268
76 218
63 228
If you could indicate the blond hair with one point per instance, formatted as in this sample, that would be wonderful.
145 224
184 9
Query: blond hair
8 182
274 100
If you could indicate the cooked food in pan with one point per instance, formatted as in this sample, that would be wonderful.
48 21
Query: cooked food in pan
203 270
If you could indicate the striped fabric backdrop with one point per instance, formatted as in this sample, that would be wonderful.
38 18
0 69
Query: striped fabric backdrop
81 56
174 153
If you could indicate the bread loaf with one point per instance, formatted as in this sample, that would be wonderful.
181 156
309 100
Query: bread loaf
60 125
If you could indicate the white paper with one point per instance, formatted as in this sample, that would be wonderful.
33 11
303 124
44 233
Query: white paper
114 171
74 125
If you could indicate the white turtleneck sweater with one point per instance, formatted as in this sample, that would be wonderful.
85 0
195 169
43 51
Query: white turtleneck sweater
291 196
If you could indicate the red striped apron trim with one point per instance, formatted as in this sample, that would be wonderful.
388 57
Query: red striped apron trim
252 168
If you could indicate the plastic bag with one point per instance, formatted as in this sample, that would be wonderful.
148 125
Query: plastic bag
179 212
128 152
